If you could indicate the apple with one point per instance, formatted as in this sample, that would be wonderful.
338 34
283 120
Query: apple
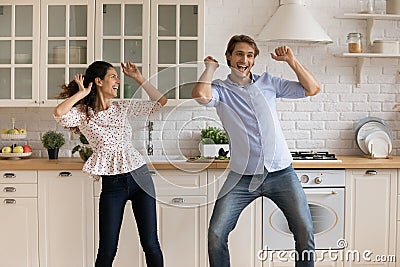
22 131
27 148
13 131
6 149
18 149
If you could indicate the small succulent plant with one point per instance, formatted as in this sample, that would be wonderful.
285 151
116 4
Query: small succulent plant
214 135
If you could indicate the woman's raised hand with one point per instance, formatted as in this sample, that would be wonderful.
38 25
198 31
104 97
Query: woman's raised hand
78 78
131 70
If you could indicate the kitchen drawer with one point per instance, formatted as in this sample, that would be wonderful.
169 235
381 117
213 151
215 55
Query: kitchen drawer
173 182
18 177
18 190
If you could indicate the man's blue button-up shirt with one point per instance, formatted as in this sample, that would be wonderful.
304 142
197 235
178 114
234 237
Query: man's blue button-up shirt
248 114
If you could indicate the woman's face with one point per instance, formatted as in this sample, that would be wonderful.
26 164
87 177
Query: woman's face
108 87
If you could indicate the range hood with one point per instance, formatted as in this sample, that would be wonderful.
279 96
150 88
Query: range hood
293 22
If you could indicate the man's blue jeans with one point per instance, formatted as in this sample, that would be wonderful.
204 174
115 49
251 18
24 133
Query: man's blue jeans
283 188
138 187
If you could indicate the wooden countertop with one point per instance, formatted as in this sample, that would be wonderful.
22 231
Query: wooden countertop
348 162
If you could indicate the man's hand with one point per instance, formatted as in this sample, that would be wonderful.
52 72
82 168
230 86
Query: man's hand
283 53
211 63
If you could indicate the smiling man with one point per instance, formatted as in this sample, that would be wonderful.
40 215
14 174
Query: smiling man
260 159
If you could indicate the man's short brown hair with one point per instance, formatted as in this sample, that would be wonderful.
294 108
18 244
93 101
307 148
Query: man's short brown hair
237 39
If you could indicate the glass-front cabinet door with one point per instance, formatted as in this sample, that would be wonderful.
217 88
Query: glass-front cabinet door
19 52
164 38
67 46
123 35
177 46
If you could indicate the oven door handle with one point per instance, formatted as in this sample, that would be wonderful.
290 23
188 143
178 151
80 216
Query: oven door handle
322 193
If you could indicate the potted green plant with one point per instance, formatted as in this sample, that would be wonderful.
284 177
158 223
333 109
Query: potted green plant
214 142
53 140
85 151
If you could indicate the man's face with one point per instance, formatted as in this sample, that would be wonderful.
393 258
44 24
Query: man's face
242 59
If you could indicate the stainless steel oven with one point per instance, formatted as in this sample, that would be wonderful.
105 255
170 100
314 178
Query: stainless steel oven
325 191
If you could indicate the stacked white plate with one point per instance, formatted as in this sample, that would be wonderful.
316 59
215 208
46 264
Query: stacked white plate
378 144
374 137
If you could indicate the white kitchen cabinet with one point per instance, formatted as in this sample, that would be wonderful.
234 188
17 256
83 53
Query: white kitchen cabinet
19 52
67 44
129 249
43 43
370 225
164 38
19 219
65 219
245 240
182 216
182 221
55 39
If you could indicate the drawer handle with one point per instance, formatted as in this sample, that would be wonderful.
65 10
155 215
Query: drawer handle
153 173
178 200
65 174
371 172
9 189
9 175
10 201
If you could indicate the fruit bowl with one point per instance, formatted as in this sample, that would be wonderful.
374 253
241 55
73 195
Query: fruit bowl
15 155
13 136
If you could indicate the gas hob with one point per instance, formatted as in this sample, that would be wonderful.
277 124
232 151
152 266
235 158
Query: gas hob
312 156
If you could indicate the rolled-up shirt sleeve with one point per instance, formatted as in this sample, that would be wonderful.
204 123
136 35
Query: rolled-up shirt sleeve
73 118
214 98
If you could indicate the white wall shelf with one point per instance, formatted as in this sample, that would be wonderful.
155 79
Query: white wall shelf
371 18
361 61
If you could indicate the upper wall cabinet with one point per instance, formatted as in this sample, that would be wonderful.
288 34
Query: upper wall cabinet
177 45
19 52
123 35
164 38
67 47
42 44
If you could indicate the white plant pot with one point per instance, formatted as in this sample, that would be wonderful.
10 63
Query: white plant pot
211 150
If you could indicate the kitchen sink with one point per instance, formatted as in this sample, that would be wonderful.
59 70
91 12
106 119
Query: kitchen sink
165 158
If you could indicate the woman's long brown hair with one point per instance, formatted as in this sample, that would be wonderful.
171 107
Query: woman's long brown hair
97 69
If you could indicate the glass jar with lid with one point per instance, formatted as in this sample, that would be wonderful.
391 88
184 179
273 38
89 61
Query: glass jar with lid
354 42
367 6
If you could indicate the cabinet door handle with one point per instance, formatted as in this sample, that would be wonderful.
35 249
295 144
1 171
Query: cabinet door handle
9 201
65 174
371 172
9 189
9 175
178 200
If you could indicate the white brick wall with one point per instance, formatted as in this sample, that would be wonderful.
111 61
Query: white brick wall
323 122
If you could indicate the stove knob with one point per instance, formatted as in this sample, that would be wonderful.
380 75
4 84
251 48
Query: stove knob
318 180
304 178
